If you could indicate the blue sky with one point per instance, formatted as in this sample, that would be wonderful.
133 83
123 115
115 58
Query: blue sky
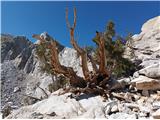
26 18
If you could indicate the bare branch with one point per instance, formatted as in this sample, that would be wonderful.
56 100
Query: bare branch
60 69
43 91
79 50
101 54
32 97
83 55
67 21
66 71
75 15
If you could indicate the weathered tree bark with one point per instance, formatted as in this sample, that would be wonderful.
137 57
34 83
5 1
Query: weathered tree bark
100 75
102 57
68 72
79 50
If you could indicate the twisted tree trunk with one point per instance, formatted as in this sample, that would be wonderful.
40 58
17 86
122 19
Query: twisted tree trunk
94 81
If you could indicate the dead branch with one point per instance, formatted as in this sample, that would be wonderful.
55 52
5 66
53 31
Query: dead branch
60 69
43 91
79 50
75 16
32 97
121 96
67 21
101 54
66 71
68 24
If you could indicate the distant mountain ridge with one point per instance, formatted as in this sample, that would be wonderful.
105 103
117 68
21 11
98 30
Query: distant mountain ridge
18 61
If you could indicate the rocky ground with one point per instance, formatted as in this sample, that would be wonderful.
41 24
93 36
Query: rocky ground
139 98
121 105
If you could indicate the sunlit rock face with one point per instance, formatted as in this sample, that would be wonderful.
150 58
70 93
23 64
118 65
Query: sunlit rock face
147 43
147 50
68 57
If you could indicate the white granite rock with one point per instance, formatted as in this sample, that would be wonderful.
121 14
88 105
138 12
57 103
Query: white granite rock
152 71
93 107
147 43
145 83
156 115
122 116
16 89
